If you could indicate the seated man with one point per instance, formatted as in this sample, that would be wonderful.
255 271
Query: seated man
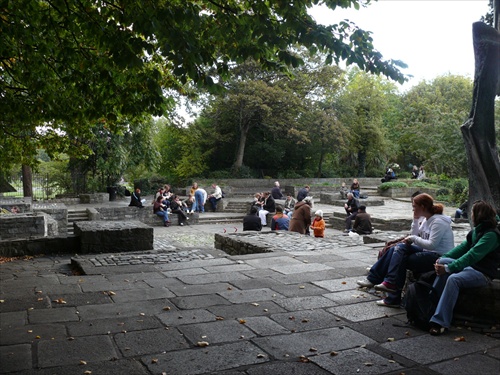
135 199
215 197
289 205
280 220
362 222
268 207
252 221
276 191
351 209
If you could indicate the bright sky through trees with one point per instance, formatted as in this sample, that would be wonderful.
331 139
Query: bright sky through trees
432 37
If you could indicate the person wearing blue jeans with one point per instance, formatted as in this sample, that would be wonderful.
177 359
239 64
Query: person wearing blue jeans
159 209
418 252
471 264
200 196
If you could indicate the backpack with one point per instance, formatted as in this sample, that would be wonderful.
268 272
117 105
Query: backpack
421 300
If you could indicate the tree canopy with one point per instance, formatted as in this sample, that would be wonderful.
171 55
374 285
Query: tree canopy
66 66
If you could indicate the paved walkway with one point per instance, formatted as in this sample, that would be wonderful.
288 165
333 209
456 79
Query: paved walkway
187 308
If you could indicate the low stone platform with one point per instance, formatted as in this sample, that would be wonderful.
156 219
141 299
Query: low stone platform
337 221
113 236
335 200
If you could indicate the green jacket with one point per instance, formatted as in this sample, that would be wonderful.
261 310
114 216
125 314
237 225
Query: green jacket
482 254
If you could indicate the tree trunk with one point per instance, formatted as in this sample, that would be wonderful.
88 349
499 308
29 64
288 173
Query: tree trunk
241 147
479 130
27 181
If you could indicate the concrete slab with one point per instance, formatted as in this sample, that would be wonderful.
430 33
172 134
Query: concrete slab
113 325
264 326
123 366
470 364
148 341
80 299
350 296
298 278
140 308
178 318
424 349
39 316
33 333
356 361
292 368
250 295
213 278
311 343
383 330
217 332
15 358
132 295
364 311
197 302
301 268
196 290
113 286
13 319
306 320
91 349
304 303
206 360
245 310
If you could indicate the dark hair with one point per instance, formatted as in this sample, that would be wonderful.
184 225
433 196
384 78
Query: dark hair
362 208
427 202
483 212
160 198
253 210
279 208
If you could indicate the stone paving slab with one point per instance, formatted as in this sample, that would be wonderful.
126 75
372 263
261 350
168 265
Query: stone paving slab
193 316
211 359
218 332
292 368
41 316
311 343
352 361
112 325
250 295
306 320
196 302
470 364
148 341
15 358
28 334
124 309
70 352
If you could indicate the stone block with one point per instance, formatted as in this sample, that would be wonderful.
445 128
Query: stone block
113 236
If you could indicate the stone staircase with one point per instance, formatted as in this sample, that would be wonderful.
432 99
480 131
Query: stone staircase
238 206
74 216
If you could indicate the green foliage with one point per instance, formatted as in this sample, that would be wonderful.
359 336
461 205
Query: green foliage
392 185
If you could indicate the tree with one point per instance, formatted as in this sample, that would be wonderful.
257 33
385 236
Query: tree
65 66
479 130
361 109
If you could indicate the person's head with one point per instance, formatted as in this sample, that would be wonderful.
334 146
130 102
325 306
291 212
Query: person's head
288 196
15 210
415 168
214 185
415 194
343 184
421 167
195 185
253 210
355 181
307 187
277 184
266 194
349 196
362 209
166 187
319 214
159 199
308 200
279 209
137 190
483 212
423 205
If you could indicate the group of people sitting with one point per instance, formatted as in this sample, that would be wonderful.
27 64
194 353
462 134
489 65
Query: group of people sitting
430 247
355 189
165 202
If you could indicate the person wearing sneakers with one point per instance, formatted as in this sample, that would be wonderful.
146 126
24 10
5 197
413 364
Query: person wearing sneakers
418 252
159 209
318 224
472 264
176 207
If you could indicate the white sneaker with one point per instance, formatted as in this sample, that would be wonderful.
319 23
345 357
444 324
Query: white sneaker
365 283
181 224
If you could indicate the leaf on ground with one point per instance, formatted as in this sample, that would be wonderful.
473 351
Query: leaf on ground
82 362
202 344
242 321
254 304
460 339
167 308
60 301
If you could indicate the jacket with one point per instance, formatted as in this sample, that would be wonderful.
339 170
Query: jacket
435 234
301 219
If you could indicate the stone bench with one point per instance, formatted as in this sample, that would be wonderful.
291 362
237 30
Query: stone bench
113 236
337 221
144 215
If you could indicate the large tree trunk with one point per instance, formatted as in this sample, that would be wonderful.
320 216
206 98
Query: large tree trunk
361 163
479 130
27 181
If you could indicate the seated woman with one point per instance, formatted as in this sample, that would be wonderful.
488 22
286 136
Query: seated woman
280 221
417 252
355 188
471 264
161 210
177 208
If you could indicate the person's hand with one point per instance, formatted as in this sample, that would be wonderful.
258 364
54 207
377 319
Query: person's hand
440 270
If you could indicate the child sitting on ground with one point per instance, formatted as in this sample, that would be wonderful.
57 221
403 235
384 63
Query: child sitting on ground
318 225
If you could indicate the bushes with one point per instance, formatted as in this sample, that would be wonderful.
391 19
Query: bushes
392 184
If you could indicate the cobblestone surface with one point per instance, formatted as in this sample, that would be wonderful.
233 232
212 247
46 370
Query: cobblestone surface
132 259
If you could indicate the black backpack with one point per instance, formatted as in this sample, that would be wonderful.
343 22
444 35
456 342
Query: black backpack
421 300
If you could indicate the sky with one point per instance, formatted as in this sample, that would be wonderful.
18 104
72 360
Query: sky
433 37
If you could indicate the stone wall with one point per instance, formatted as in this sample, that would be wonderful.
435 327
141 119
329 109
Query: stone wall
405 192
58 212
144 215
22 226
24 204
113 236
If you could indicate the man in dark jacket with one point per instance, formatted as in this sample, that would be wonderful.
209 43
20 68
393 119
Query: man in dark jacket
304 192
268 207
252 221
362 222
351 208
276 191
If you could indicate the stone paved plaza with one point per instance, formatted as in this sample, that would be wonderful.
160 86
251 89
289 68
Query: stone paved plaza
187 308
